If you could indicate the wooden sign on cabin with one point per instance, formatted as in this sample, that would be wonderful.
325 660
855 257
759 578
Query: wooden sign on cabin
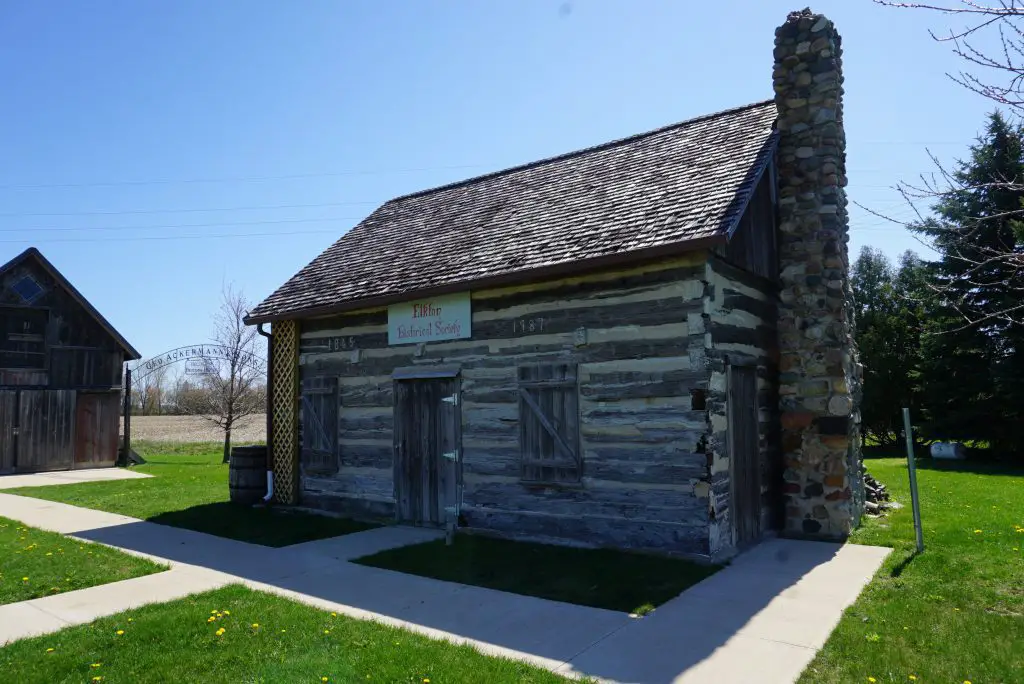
448 317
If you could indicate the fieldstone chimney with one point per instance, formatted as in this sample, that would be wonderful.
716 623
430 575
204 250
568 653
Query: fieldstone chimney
819 372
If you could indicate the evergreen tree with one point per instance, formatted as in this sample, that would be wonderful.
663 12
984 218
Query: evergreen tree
972 370
889 319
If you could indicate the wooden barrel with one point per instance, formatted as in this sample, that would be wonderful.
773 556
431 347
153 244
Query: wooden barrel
247 474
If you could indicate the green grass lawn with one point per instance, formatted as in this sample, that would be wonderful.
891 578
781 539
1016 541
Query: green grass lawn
35 563
189 489
602 578
235 634
954 613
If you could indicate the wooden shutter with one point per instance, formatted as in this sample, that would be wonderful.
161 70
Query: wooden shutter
549 423
320 425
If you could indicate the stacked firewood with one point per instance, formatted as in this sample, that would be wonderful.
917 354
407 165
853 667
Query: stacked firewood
877 499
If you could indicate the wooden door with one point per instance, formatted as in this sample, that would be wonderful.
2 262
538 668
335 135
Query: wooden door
46 426
427 446
744 448
96 429
8 421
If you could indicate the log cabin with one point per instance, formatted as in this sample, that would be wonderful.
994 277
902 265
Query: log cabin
644 344
60 372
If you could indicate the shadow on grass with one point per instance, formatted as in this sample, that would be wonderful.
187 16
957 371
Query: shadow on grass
264 526
971 466
602 578
902 565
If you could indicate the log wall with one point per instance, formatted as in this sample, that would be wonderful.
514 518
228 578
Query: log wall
645 478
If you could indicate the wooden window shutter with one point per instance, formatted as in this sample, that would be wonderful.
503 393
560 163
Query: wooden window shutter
549 423
320 424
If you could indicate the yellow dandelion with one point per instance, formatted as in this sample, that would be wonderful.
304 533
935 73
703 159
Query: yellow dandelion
220 632
324 679
210 619
334 615
129 619
97 679
49 650
95 664
255 625
872 680
119 632
283 631
912 678
214 612
977 531
426 680
327 631
967 681
49 554
24 579
227 612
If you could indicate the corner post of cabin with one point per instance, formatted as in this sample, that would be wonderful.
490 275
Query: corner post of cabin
819 371
284 389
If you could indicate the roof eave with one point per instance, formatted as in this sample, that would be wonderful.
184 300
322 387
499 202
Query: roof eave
512 278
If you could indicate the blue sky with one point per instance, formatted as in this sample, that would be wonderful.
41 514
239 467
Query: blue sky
131 128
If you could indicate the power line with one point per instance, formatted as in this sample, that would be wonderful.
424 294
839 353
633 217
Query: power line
179 237
235 179
180 225
182 211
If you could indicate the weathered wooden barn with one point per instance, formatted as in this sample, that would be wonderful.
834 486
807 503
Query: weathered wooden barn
60 372
642 344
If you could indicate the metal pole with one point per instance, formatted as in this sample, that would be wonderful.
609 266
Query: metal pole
127 417
913 480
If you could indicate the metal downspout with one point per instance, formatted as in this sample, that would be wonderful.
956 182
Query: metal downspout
270 419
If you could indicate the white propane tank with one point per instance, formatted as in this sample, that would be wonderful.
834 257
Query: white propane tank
949 450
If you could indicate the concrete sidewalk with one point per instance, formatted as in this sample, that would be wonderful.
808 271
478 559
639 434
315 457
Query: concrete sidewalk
760 619
68 477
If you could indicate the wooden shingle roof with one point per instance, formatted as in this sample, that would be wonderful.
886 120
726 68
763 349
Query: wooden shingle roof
676 188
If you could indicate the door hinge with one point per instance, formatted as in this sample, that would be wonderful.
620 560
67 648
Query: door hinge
453 400
451 455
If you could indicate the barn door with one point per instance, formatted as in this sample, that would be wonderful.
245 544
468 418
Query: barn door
744 447
427 459
46 428
96 429
8 414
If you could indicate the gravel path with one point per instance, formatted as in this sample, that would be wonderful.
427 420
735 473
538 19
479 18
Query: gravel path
196 429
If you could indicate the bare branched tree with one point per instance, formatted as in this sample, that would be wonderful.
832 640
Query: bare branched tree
149 391
238 388
998 75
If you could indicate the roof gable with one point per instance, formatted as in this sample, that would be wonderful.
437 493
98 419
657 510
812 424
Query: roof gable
24 288
683 186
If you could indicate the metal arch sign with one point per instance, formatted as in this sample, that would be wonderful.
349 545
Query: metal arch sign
204 354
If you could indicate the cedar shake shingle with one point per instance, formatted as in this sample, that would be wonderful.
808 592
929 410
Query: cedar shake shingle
671 186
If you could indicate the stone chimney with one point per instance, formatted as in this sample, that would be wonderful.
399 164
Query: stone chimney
819 371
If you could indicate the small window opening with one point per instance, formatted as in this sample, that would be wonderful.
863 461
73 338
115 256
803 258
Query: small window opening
698 399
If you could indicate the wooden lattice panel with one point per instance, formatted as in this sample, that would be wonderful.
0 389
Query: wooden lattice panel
285 392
